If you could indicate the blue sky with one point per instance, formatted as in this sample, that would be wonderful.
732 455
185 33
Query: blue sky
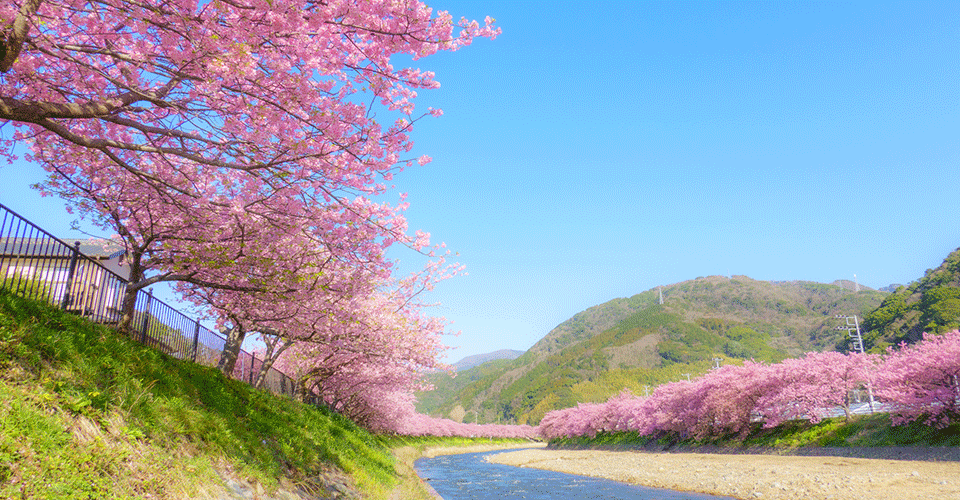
597 150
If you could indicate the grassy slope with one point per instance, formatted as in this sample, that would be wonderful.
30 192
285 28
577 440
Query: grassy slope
86 413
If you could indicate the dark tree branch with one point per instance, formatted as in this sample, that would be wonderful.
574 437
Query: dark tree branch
15 36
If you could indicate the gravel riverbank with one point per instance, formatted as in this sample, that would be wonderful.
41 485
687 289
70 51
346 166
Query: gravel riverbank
765 476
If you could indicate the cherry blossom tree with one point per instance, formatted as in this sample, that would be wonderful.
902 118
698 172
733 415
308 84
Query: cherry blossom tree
621 413
731 399
808 387
264 93
386 347
922 380
236 148
727 398
368 369
189 127
337 312
411 423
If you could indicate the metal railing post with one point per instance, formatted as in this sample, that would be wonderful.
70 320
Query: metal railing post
70 273
146 317
196 339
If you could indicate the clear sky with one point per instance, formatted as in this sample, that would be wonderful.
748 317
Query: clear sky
597 150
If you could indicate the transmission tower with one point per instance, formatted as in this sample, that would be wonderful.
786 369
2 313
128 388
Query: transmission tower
856 340
853 331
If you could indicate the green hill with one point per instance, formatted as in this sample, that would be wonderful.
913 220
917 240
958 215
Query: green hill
930 304
636 343
447 388
86 413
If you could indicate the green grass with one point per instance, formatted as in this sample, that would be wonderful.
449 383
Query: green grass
866 431
88 413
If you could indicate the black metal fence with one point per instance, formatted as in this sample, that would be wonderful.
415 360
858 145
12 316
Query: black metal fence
87 280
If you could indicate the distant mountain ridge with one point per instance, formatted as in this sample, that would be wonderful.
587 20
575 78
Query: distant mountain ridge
636 343
479 359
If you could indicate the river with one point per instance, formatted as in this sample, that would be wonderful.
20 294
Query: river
469 477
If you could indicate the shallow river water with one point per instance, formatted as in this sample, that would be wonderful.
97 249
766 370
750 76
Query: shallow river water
469 477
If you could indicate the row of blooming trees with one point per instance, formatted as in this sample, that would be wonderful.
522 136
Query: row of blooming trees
918 381
242 149
417 424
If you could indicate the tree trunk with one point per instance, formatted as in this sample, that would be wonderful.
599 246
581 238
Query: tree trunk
300 390
128 308
846 406
231 349
274 350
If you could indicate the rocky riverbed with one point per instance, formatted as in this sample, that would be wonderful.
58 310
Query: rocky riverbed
765 476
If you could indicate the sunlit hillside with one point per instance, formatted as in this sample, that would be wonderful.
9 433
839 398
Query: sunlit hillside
930 304
636 343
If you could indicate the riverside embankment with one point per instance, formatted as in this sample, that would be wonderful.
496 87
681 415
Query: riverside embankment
766 476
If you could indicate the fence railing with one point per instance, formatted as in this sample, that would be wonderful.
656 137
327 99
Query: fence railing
38 265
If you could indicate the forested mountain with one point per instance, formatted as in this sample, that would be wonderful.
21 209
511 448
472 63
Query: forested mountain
636 343
479 359
469 370
930 304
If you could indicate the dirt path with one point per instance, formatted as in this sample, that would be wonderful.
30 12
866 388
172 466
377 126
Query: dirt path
756 476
